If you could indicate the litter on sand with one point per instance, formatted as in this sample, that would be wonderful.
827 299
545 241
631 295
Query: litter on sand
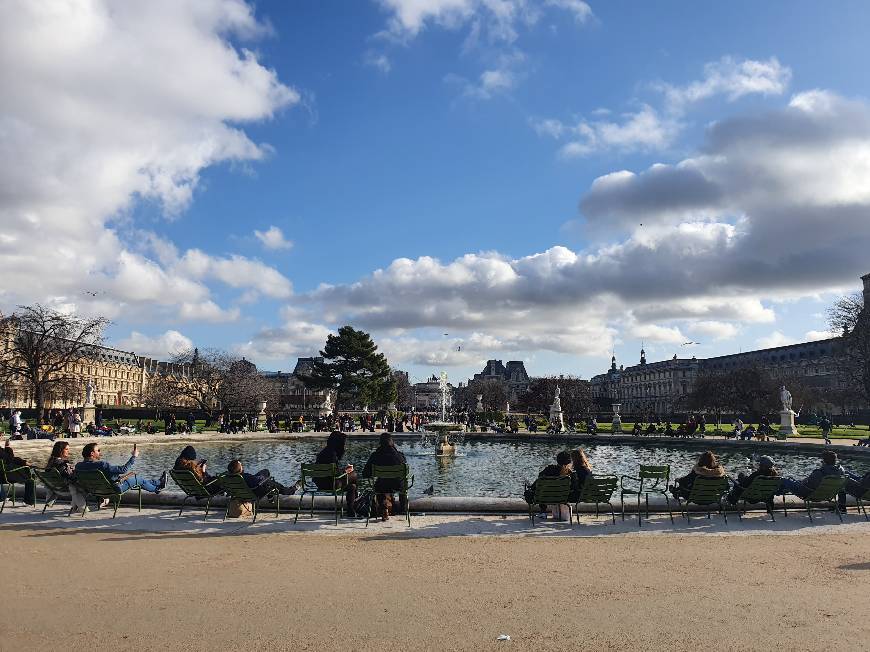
503 637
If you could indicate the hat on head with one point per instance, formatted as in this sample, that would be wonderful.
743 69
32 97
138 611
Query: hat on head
765 462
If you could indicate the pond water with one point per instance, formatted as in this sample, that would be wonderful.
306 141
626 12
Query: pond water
483 468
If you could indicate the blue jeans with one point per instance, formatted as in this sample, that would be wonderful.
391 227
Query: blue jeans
799 489
148 485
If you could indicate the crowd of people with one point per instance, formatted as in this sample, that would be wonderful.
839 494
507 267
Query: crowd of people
261 482
574 463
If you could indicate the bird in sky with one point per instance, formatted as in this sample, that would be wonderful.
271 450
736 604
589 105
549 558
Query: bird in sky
688 343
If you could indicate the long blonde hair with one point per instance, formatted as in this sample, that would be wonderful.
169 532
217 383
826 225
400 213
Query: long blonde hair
579 459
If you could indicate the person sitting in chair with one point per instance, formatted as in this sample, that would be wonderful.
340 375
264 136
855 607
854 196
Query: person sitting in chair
59 461
765 467
261 482
707 467
332 454
560 468
186 461
119 475
386 454
803 488
13 462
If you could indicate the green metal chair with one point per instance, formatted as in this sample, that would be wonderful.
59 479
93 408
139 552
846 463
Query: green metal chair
193 488
827 492
551 491
762 489
9 478
598 489
399 472
651 479
310 472
706 492
860 500
55 484
96 484
236 488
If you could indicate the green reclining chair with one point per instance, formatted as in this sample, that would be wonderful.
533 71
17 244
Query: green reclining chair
236 488
651 479
706 492
55 484
827 492
597 489
12 477
193 488
398 472
96 484
762 489
551 491
310 472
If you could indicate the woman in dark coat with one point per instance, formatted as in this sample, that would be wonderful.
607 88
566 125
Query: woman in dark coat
386 454
332 454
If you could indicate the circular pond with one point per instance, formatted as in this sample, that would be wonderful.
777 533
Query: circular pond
483 468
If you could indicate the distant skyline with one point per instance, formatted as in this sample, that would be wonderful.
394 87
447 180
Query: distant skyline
550 181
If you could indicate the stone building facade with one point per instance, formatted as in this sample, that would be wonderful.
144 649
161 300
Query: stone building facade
513 375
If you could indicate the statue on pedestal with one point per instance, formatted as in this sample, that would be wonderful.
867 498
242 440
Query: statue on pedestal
785 397
557 423
89 392
786 416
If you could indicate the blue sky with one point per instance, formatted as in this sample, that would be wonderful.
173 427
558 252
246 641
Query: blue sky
541 180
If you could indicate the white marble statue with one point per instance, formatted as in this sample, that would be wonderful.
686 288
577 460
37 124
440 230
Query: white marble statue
479 403
785 397
89 392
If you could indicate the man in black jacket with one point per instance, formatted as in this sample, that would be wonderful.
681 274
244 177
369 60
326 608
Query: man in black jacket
765 467
386 454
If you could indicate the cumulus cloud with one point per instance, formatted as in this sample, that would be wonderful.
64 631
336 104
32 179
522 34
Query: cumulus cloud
650 128
273 238
161 347
718 330
280 345
493 29
732 78
644 129
726 235
102 109
776 338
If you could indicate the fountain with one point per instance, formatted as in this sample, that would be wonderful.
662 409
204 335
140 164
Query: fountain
445 440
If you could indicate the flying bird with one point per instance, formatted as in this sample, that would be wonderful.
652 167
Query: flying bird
688 343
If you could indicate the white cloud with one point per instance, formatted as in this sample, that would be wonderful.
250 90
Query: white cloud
107 103
581 11
650 128
812 336
644 129
702 261
733 79
273 238
656 333
294 338
379 61
718 330
776 338
161 347
236 271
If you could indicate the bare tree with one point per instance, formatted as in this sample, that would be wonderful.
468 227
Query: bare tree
495 394
851 316
44 344
211 379
575 395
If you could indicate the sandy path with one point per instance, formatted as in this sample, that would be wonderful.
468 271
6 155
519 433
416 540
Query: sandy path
290 591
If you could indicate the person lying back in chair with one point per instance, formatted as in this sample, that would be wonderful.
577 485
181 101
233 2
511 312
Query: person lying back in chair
120 475
260 482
